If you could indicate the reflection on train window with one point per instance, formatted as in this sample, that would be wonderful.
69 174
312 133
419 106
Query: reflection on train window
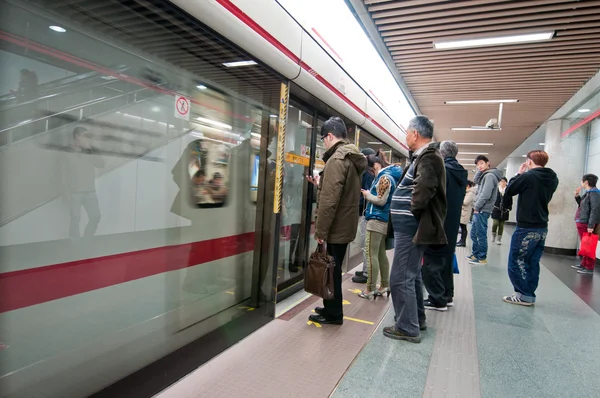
208 170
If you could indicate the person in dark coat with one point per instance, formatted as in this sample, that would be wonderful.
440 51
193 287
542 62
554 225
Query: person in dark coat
502 207
438 275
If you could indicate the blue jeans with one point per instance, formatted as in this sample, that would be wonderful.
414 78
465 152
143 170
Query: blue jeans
479 235
526 249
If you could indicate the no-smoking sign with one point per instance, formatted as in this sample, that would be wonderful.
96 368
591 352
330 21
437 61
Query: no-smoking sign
182 107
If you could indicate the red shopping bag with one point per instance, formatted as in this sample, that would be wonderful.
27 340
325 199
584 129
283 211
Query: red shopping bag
589 242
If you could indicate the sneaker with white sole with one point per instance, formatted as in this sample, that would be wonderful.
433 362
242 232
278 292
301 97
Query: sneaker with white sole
478 262
586 271
577 267
430 306
471 257
450 303
516 300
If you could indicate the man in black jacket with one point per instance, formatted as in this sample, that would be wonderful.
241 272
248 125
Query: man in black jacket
535 185
438 272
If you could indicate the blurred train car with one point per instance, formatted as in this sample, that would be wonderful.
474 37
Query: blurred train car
137 178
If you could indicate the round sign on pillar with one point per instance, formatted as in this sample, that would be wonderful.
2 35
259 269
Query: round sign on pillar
182 107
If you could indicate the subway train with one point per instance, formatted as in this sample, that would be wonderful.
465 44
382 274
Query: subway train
138 177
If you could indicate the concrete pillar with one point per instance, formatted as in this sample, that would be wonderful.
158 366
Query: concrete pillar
567 159
512 166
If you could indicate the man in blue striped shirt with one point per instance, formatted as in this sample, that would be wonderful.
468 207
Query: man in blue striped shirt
418 211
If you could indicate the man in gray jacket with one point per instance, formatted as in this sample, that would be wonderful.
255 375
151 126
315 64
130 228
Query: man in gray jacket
487 180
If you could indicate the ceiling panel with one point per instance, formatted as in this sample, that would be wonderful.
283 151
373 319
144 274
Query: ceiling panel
541 75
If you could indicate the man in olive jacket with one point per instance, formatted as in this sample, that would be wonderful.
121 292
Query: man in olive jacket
337 208
418 212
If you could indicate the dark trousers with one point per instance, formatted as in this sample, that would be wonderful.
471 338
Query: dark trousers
438 278
333 307
463 233
294 255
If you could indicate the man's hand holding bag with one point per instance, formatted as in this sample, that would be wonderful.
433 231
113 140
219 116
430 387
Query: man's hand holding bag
318 277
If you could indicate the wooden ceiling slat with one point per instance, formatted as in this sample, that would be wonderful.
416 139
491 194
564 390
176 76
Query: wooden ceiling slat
557 42
575 46
448 33
423 13
411 6
584 60
592 52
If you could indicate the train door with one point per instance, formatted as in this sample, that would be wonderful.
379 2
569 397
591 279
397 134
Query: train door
298 199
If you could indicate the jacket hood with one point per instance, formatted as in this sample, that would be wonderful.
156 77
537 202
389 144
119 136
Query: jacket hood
495 172
392 170
547 176
343 150
456 171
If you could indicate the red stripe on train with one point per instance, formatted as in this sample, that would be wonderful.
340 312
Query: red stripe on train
38 285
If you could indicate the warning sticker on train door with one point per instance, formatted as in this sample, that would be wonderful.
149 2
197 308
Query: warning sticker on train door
182 107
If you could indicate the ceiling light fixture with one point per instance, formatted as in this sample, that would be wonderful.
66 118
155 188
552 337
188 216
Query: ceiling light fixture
480 102
465 160
542 143
273 116
201 87
58 29
374 143
584 110
494 41
474 129
475 143
238 63
213 122
473 153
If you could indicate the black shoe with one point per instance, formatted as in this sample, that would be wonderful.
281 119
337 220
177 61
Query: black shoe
359 279
422 326
461 244
431 306
293 267
450 303
320 310
325 321
358 273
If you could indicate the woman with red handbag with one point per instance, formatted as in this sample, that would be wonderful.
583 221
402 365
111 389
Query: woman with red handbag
587 218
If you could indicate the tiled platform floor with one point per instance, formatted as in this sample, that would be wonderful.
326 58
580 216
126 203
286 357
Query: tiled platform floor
480 348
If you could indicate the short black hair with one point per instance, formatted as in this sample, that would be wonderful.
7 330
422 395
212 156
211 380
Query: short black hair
504 179
79 131
481 157
591 179
334 125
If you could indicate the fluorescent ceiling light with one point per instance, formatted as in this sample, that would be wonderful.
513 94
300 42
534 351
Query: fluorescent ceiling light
494 41
480 102
273 116
475 143
542 143
58 29
238 63
583 110
524 156
473 153
213 122
374 143
473 129
155 109
201 87
465 160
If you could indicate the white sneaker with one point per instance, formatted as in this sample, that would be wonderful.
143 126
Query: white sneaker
498 242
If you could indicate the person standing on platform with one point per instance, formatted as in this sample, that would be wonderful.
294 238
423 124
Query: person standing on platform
418 210
502 207
587 217
438 271
377 214
487 181
337 208
535 184
367 180
465 216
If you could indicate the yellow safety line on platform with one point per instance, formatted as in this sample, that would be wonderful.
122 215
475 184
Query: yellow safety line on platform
358 320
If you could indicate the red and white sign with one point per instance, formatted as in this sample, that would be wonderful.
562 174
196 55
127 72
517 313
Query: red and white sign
182 107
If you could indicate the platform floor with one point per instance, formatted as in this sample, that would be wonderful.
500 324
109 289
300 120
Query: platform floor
482 347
